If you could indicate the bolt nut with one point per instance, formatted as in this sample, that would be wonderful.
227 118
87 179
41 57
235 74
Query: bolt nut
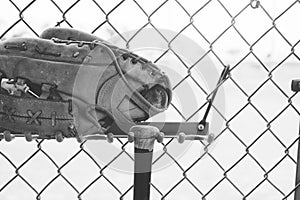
201 127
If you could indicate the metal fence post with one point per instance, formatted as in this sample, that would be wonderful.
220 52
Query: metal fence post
297 189
296 88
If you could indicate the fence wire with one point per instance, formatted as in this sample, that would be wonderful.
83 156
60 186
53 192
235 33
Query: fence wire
34 170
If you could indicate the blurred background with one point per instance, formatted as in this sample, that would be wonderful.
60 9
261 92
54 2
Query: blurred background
254 155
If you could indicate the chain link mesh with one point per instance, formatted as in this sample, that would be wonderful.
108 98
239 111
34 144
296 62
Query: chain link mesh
255 154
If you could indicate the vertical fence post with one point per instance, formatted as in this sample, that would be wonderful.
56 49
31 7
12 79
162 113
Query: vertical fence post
297 189
296 88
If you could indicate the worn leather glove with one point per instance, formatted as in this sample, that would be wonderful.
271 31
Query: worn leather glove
68 83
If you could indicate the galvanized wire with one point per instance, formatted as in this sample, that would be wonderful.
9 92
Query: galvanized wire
184 171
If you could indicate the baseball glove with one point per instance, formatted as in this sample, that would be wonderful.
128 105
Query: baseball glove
72 84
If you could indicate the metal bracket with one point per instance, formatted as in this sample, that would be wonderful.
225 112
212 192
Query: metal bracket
170 129
296 85
181 130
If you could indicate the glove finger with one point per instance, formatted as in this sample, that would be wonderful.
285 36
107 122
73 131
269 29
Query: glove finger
68 34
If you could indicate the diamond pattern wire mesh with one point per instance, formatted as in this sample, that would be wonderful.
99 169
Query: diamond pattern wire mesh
255 154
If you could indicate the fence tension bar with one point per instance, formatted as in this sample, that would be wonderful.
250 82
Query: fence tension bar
222 78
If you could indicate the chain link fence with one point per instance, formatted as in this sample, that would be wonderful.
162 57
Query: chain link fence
254 156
